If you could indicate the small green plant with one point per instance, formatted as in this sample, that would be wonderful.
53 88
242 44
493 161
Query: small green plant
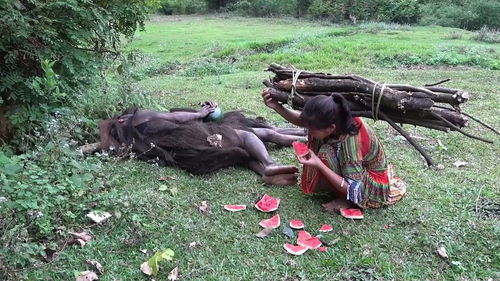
209 66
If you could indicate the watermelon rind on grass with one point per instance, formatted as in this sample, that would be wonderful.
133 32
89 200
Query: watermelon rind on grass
235 208
296 250
355 214
273 222
296 224
326 228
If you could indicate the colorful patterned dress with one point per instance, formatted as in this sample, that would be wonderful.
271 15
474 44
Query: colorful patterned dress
361 161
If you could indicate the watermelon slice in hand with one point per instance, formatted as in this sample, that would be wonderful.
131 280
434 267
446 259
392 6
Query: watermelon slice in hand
296 224
267 204
326 228
235 208
355 214
295 249
300 148
273 222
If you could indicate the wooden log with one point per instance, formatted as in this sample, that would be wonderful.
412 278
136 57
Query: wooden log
393 99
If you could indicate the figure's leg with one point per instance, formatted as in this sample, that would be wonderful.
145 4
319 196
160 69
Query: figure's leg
256 148
291 131
269 135
280 179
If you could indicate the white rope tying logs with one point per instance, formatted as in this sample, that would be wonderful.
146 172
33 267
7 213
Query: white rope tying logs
376 106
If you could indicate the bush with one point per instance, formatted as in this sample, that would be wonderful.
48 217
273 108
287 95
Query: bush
468 15
183 7
263 8
49 50
488 35
399 11
36 203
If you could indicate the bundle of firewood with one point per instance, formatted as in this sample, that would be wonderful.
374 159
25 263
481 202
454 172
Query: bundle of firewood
430 106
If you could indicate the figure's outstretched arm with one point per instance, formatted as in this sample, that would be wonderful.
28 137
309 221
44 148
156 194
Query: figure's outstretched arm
142 116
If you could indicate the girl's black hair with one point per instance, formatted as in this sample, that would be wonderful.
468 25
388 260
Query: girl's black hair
322 111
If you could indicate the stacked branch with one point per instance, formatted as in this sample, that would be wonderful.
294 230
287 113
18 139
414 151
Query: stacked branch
430 106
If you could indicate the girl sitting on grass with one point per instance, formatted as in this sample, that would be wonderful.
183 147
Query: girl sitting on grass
345 156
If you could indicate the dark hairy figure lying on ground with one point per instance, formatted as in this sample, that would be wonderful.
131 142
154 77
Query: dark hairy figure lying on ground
181 138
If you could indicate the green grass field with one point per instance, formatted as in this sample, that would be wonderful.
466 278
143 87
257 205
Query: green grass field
185 60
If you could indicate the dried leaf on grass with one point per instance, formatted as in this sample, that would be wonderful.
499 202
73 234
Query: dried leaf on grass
265 232
164 178
146 269
98 217
203 207
459 164
442 252
80 237
174 274
87 276
97 265
288 232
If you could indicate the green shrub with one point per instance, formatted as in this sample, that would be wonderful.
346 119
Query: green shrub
42 190
51 49
488 35
263 8
399 11
468 15
209 66
183 7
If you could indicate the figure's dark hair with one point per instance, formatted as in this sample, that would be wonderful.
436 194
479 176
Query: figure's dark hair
323 111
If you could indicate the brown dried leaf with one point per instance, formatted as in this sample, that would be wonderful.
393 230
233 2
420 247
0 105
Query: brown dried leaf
442 252
265 232
174 274
87 276
98 217
81 235
459 164
164 178
97 265
146 269
203 207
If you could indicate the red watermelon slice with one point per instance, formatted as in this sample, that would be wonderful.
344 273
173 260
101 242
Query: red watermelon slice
311 243
235 208
273 222
326 228
354 214
303 235
295 249
300 148
296 224
322 249
267 204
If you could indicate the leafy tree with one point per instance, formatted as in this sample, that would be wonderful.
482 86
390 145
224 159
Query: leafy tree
64 41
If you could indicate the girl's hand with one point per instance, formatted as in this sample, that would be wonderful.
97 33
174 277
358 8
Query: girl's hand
310 159
268 100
